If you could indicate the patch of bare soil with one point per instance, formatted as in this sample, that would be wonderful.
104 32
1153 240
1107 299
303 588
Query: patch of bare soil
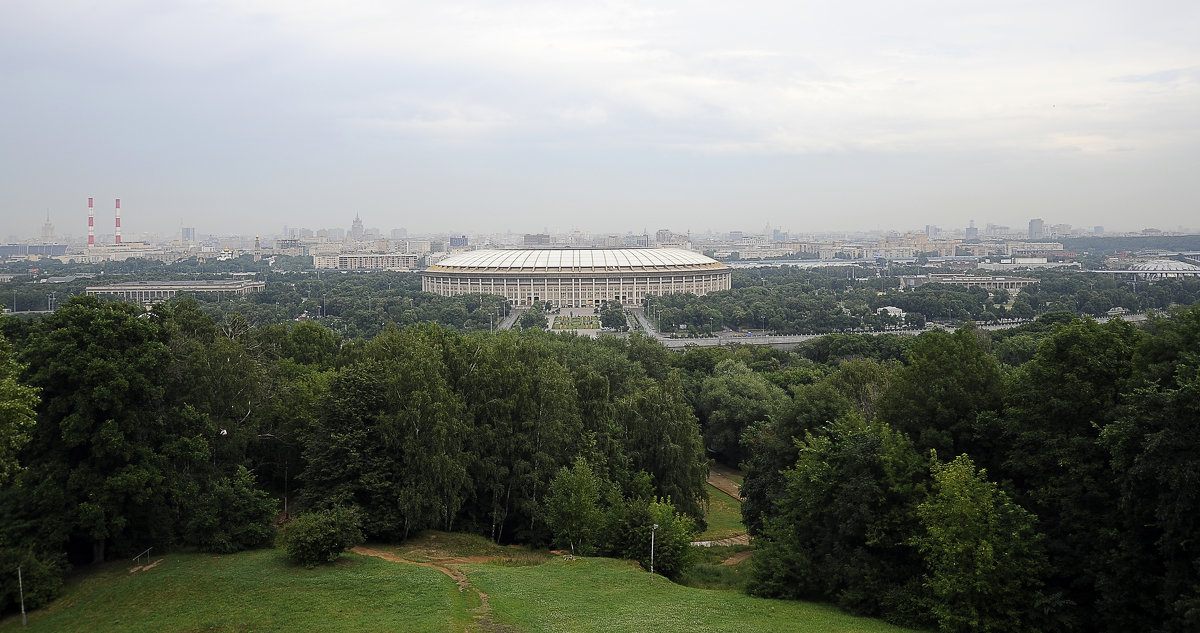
145 567
737 558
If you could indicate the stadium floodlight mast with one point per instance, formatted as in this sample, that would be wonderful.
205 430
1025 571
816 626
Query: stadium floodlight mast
652 531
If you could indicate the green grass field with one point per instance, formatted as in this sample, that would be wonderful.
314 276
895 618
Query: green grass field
254 591
724 516
600 595
527 592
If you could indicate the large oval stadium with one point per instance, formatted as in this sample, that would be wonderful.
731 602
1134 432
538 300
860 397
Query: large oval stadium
576 278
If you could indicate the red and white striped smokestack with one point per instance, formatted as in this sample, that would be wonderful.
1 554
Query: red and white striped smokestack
91 225
118 220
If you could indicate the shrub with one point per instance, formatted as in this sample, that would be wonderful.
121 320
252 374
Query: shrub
628 528
321 537
233 516
41 573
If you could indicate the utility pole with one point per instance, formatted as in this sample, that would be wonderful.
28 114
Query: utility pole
652 531
21 585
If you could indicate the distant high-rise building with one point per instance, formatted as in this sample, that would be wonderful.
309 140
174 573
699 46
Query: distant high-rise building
187 234
1037 229
356 229
536 239
971 233
399 234
1099 230
47 231
932 231
458 242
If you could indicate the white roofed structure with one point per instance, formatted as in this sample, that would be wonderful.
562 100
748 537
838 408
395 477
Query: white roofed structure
576 277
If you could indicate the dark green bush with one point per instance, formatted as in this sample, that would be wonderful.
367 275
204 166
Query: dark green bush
321 537
41 573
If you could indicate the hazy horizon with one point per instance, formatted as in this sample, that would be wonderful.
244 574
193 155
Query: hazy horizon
483 116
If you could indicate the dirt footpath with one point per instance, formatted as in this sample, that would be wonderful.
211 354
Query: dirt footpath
483 613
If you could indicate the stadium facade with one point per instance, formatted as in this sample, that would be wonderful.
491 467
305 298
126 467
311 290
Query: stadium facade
576 278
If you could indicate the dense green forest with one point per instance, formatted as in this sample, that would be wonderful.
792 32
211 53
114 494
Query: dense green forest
1037 478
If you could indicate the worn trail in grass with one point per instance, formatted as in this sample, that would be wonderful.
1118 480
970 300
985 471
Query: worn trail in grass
253 591
435 583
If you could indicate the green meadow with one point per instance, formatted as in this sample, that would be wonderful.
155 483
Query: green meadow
498 589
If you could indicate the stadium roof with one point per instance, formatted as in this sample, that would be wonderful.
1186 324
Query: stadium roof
1164 265
576 260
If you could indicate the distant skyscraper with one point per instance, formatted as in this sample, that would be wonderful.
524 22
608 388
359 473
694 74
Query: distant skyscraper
47 231
356 229
971 233
1037 229
187 234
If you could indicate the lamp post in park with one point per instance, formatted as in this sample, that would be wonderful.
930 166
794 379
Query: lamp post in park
652 531
21 585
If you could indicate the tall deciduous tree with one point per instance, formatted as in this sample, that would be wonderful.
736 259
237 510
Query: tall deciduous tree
1153 444
662 438
982 554
572 506
1057 406
732 399
938 395
842 526
100 473
772 448
18 415
391 438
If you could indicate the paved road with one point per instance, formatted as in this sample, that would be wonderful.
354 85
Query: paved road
509 320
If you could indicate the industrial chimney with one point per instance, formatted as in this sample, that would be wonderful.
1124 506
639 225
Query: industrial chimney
118 220
91 225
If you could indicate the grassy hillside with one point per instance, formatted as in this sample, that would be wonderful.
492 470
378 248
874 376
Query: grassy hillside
260 591
253 591
602 595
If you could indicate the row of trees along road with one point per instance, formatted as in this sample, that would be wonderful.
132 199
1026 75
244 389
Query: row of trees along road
789 300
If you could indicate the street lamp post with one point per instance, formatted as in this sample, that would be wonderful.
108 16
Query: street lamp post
652 531
21 586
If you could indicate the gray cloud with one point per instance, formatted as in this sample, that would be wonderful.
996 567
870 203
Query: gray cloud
247 115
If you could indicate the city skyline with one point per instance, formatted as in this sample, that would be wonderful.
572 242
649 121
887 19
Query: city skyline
248 116
104 233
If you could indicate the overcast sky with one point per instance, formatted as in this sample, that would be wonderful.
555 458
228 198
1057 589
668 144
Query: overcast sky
248 115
